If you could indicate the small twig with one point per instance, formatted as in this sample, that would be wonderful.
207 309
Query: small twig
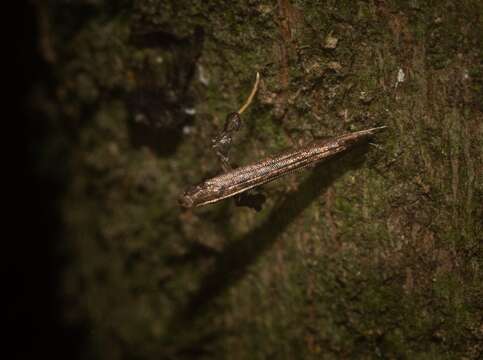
252 95
222 143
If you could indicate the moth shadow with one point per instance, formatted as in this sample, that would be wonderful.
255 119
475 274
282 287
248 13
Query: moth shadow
232 263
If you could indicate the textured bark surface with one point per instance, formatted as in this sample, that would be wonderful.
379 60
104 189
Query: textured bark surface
374 254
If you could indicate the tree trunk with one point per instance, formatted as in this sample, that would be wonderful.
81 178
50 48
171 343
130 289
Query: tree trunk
373 254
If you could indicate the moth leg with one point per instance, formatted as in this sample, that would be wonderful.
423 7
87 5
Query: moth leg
222 143
252 198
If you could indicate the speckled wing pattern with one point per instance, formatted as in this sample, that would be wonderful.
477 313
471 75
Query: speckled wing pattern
247 177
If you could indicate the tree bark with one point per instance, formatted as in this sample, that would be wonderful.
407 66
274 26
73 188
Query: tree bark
374 254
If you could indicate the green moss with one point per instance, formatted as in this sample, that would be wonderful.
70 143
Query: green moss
372 255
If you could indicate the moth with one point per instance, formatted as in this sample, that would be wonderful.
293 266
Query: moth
237 181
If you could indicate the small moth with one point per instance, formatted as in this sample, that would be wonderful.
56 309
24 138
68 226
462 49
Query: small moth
239 180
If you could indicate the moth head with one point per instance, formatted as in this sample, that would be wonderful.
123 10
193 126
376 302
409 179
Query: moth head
185 201
196 195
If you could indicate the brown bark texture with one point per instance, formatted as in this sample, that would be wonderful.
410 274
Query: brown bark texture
375 254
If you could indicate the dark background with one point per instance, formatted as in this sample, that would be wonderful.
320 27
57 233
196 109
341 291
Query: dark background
33 267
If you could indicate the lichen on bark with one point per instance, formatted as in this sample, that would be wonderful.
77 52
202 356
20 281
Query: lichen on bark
376 254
